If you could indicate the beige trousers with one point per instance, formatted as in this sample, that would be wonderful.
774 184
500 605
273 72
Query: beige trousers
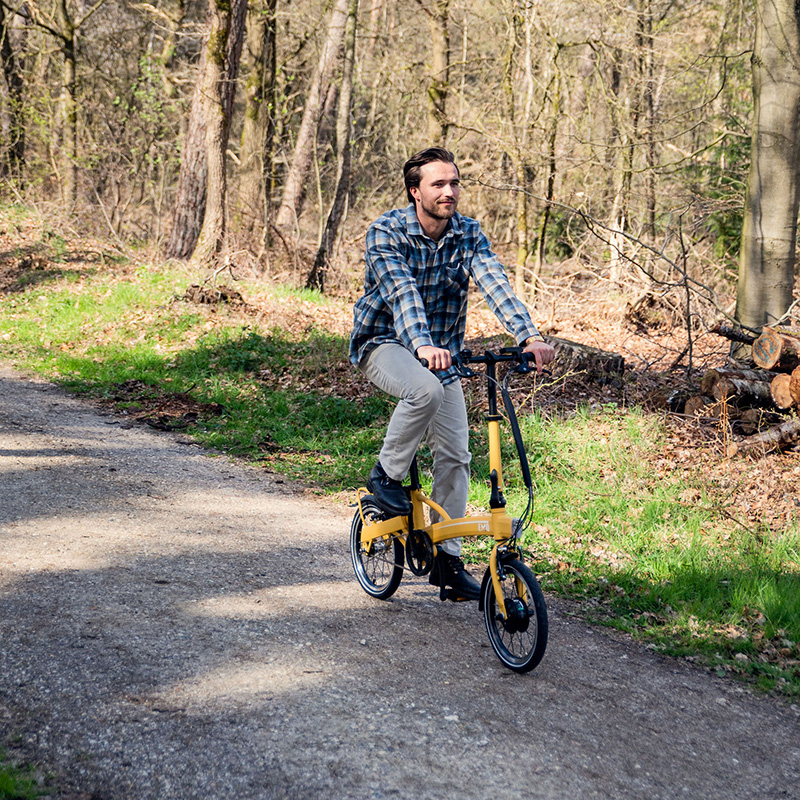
428 411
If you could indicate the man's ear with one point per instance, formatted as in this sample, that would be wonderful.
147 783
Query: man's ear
414 192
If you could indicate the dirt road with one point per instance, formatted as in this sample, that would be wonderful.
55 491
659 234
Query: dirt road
176 626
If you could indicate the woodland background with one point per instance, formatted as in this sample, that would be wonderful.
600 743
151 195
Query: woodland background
614 137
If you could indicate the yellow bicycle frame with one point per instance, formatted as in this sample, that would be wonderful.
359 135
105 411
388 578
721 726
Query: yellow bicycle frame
496 524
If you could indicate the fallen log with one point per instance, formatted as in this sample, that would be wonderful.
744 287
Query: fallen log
733 334
794 385
781 391
711 377
597 364
740 391
777 350
754 420
699 405
787 433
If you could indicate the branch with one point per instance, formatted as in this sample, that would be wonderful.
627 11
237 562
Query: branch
594 226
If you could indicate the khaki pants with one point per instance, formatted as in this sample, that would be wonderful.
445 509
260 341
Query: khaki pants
426 410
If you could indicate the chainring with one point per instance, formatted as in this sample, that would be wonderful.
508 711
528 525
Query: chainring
419 552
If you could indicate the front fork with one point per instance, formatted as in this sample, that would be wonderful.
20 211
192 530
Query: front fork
494 573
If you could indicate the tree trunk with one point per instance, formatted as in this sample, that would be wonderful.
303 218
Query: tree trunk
304 150
519 132
212 235
775 438
12 165
794 385
316 280
440 77
766 271
555 103
781 391
190 202
258 131
69 108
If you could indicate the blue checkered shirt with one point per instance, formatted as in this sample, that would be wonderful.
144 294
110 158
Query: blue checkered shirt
415 289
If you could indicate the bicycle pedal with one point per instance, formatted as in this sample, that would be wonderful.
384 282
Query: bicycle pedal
452 595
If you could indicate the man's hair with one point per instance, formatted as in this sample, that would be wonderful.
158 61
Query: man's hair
411 169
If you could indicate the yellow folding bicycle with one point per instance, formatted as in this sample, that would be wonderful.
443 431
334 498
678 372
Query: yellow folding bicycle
512 602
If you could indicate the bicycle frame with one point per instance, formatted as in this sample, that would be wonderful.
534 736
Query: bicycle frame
497 523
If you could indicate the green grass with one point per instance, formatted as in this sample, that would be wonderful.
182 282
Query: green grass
93 332
18 782
649 549
655 554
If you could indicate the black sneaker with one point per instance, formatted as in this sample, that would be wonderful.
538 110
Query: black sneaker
450 575
389 494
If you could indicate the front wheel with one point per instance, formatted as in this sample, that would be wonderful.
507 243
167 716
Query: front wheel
520 639
378 569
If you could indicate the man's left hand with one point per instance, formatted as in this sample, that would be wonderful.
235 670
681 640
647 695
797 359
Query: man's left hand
543 353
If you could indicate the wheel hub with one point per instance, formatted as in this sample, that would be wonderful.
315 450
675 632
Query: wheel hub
517 615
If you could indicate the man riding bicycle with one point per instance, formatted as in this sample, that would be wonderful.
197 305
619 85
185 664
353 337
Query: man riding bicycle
419 261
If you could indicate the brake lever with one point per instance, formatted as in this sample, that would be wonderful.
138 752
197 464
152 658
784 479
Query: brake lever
526 366
462 370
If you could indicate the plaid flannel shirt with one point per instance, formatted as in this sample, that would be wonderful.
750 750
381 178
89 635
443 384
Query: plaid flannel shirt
415 289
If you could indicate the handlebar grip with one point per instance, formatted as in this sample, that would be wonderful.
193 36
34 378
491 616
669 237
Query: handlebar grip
424 362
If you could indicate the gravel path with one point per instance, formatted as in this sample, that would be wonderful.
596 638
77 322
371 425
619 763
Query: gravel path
173 625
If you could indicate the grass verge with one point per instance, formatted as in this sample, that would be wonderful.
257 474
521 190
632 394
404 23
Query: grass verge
19 782
640 542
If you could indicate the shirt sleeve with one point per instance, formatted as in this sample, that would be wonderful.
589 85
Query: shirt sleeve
492 280
389 268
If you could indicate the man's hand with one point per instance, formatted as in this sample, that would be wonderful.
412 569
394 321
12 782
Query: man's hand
543 353
437 357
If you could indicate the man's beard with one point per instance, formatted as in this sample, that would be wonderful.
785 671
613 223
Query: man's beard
439 212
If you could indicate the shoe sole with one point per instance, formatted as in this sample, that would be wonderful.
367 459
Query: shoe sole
371 489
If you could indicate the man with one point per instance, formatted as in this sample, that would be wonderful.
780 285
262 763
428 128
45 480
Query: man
419 260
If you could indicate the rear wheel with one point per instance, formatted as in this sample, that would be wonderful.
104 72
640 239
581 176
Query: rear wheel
520 639
378 569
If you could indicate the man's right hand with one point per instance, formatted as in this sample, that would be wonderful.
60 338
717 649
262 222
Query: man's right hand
437 357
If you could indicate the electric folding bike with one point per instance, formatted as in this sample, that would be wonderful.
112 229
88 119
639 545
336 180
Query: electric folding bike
511 600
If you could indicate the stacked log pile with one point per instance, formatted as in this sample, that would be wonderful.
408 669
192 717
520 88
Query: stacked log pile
757 397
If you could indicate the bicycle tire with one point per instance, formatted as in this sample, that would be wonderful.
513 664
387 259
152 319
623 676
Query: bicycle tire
520 641
379 573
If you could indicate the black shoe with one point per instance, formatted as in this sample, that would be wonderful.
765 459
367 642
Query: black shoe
389 494
450 575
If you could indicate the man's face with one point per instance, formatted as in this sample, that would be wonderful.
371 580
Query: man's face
438 190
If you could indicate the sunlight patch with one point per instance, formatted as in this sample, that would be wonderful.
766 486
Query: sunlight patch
301 598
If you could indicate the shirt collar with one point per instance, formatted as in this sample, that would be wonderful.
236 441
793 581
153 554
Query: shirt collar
415 229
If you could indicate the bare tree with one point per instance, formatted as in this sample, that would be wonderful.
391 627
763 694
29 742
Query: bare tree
316 279
305 146
192 197
769 233
64 24
258 128
12 165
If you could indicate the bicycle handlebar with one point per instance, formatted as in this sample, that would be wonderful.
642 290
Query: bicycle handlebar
516 354
505 354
